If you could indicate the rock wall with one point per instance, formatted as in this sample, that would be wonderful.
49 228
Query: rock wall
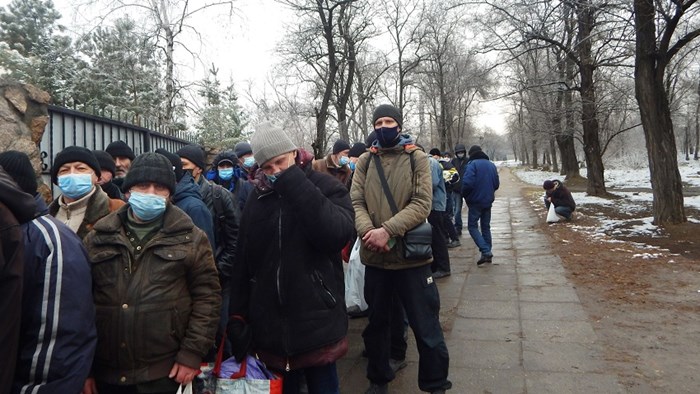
23 117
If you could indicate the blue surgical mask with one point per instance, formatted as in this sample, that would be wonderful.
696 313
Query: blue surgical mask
343 160
272 178
75 185
226 173
352 166
248 162
146 206
387 136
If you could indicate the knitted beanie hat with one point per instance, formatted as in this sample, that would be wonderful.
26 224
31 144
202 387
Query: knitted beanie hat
474 149
120 149
548 185
387 110
150 167
175 161
19 167
340 146
71 154
106 161
242 148
435 152
269 141
357 149
195 154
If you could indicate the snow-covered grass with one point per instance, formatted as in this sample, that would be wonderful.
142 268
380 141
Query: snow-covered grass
633 188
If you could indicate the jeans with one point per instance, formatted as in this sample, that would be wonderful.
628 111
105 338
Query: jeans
561 210
441 257
480 215
457 209
419 295
319 380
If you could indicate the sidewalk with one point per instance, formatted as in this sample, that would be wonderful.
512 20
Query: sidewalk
516 326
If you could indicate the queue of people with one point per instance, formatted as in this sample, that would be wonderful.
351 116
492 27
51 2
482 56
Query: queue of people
161 255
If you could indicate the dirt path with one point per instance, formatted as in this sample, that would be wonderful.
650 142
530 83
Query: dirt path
644 304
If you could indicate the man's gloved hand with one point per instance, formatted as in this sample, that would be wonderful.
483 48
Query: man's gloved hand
240 335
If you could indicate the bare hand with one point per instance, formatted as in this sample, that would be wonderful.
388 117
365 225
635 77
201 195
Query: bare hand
89 387
376 240
182 373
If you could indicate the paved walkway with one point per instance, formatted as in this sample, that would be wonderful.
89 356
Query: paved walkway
516 326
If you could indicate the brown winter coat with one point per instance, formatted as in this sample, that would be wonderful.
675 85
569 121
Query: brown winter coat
327 166
99 205
413 196
154 307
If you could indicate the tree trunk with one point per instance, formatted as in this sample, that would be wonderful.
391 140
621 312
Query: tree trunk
656 119
534 154
169 79
553 154
589 115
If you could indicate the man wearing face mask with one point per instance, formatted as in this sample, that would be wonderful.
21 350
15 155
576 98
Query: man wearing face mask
336 163
287 286
82 202
387 272
155 287
226 172
460 163
246 161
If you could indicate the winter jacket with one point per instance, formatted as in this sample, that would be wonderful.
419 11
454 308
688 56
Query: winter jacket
460 165
561 196
113 191
58 335
480 181
16 207
157 303
288 280
438 182
413 196
188 199
238 185
223 212
327 166
98 206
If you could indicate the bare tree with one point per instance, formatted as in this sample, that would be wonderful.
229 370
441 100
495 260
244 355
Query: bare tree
655 48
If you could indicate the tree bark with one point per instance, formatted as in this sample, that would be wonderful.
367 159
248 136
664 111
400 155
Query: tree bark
650 66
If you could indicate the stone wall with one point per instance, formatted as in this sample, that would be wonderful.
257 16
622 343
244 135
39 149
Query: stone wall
23 117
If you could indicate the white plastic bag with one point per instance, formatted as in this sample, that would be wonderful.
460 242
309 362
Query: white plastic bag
186 390
355 281
552 216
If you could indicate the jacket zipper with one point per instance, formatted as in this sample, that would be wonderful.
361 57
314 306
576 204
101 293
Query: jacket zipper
279 287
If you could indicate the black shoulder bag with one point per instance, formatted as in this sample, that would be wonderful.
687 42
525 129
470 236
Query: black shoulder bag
416 241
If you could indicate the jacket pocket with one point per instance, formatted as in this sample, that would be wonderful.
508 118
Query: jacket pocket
158 334
323 291
168 265
105 268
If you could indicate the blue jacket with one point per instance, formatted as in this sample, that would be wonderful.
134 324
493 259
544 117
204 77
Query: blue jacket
480 181
238 185
439 193
188 198
58 336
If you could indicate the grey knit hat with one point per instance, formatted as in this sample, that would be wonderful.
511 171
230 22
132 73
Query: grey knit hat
269 141
150 167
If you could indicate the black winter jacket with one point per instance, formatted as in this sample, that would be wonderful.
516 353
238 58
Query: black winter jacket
223 212
188 198
288 280
460 165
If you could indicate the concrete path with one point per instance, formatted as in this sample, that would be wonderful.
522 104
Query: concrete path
516 326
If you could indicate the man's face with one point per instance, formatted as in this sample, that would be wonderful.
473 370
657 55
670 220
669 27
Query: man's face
150 188
188 165
105 177
278 163
77 167
385 121
241 160
342 153
123 164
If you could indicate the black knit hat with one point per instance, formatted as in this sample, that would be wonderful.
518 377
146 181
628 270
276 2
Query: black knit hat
242 148
548 184
106 161
195 154
71 154
435 152
340 146
357 149
371 138
150 167
387 110
120 149
474 149
460 148
175 161
18 165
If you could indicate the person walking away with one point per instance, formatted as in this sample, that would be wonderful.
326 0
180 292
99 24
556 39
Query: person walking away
388 272
556 193
58 337
460 163
479 186
287 302
155 287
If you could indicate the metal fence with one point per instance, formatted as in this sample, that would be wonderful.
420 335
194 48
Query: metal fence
67 127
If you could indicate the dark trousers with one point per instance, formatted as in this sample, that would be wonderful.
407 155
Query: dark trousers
160 386
319 380
419 295
441 257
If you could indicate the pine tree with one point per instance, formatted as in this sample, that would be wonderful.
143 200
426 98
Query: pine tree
221 120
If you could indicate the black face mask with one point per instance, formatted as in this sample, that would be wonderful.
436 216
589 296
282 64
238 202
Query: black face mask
387 136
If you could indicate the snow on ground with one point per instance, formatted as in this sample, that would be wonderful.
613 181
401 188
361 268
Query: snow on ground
633 187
